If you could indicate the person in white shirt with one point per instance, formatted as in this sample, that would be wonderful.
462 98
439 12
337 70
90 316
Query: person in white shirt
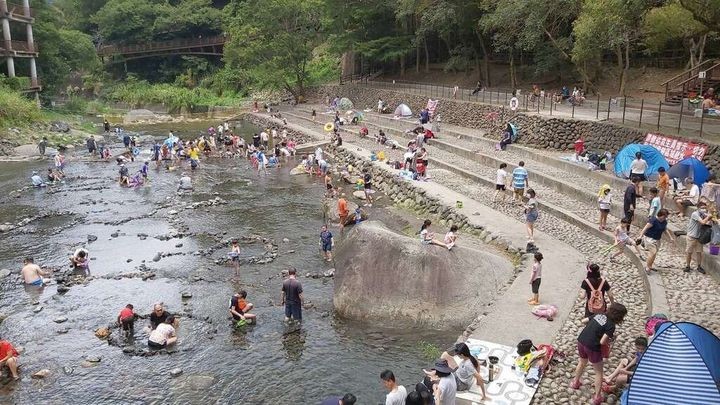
397 393
37 181
687 198
638 167
264 138
380 106
500 181
604 203
164 335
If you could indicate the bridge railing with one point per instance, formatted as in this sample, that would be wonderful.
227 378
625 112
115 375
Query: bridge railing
110 50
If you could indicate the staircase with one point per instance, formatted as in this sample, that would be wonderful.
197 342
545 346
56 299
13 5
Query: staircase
688 85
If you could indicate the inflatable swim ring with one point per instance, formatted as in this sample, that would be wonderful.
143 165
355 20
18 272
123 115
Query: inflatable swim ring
136 151
329 127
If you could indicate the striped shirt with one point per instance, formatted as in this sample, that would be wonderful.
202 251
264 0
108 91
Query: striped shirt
519 176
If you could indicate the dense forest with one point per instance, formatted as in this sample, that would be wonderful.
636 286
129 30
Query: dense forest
290 44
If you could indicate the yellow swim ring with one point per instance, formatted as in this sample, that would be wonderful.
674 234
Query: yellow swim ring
329 127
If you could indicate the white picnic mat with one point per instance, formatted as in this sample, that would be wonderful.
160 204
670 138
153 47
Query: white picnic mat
508 386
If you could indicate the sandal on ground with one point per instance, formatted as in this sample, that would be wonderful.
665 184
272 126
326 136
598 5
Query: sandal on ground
575 384
598 399
608 388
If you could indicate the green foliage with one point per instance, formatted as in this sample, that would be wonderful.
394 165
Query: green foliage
707 12
16 109
75 104
668 23
129 21
77 14
138 92
430 351
273 40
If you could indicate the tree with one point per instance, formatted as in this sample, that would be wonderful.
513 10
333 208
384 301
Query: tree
608 25
130 21
672 22
273 40
78 14
706 12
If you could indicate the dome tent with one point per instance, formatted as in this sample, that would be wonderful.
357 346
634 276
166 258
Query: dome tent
652 156
345 104
690 167
680 366
403 110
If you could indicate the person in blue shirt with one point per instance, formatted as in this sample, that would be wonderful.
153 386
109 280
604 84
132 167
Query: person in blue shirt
144 170
126 140
326 242
37 181
520 182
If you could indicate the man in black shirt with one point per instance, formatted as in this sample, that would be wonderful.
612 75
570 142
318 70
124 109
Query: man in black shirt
292 297
256 140
158 316
630 200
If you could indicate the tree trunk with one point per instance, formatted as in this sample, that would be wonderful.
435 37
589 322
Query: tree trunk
427 57
417 58
621 69
626 72
513 79
486 61
402 65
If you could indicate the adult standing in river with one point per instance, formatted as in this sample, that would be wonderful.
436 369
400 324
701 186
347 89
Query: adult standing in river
292 297
42 145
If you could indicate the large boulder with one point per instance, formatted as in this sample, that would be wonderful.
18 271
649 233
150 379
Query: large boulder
332 215
382 275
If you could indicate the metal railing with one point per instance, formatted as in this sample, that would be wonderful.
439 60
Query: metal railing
695 82
110 50
675 84
16 10
685 119
18 46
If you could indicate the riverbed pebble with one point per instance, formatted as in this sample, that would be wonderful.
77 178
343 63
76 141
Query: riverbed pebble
60 319
176 372
186 294
41 374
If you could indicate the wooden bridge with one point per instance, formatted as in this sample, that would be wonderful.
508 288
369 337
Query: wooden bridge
212 46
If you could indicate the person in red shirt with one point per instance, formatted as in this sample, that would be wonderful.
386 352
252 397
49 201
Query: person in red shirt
8 357
126 320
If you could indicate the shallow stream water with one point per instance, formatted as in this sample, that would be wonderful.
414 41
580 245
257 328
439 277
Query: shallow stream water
270 363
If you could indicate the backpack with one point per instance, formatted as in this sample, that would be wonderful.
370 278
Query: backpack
524 347
705 234
596 303
545 311
653 322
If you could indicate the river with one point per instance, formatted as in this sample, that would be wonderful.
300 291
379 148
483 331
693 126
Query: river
270 363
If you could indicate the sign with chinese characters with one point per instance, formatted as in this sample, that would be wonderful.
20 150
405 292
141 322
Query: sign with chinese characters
674 149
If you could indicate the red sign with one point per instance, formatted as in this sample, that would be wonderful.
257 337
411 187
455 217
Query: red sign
675 149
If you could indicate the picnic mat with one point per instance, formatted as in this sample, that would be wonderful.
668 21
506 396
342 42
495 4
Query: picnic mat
507 387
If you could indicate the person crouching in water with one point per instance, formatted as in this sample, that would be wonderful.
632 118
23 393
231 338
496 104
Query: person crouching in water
240 308
80 259
164 335
124 175
126 320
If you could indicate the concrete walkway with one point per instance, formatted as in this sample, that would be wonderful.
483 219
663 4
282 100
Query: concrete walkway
509 320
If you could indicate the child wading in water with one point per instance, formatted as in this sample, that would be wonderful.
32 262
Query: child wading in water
604 203
622 239
535 276
235 255
326 242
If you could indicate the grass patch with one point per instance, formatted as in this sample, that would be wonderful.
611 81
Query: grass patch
429 351
16 109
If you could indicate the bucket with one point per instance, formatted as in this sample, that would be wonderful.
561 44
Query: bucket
459 204
714 250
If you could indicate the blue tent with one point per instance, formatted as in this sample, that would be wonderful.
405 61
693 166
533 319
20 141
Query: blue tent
680 366
690 167
652 156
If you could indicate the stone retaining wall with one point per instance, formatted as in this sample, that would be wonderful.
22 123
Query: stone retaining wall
536 131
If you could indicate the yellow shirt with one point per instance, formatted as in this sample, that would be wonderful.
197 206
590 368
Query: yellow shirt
194 153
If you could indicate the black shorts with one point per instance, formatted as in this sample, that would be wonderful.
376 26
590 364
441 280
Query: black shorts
127 324
329 186
500 187
535 286
156 346
640 177
605 210
368 186
629 215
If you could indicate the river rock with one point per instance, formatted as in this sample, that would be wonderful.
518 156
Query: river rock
102 332
200 382
186 294
93 359
60 319
176 372
359 194
41 374
6 227
139 115
38 309
4 273
403 276
157 257
3 316
329 273
59 126
286 240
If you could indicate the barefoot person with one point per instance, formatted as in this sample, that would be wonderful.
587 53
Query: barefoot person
625 370
292 297
604 204
531 215
535 278
164 335
466 372
126 320
9 359
33 274
652 234
343 211
326 242
427 237
240 309
80 259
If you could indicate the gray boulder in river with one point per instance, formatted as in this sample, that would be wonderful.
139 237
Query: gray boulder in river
381 275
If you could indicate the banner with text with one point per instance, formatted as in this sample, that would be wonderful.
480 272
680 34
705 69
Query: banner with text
675 149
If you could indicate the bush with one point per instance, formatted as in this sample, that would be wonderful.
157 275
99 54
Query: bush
75 104
174 97
15 109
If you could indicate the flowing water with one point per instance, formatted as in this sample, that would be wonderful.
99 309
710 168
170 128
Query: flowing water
270 363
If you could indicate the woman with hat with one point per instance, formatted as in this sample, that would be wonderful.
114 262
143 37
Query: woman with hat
462 373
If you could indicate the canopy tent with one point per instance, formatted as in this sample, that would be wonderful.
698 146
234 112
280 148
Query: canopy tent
345 104
680 366
652 156
403 111
690 167
356 114
513 132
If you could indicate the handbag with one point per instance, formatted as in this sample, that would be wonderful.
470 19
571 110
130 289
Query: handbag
705 234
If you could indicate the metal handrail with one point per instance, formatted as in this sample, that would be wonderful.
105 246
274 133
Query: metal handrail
160 45
687 72
709 70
